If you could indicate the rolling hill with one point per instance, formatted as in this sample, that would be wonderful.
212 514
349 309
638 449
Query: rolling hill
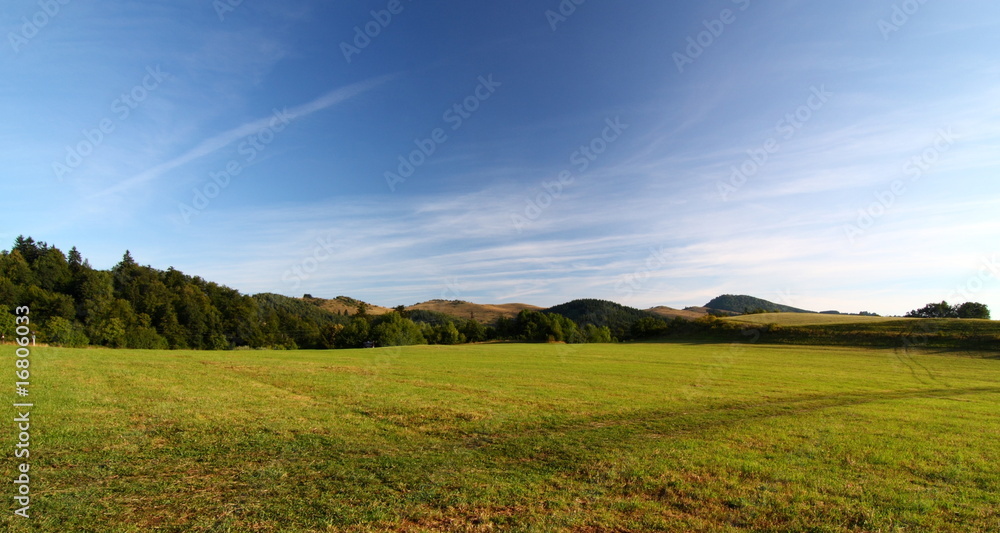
743 303
669 313
340 304
619 318
688 313
483 313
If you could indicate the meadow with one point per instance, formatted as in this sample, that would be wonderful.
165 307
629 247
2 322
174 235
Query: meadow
885 332
810 319
512 437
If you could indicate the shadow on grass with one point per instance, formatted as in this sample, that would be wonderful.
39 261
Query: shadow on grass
574 442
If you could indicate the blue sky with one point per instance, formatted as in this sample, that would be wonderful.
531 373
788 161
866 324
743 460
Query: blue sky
823 155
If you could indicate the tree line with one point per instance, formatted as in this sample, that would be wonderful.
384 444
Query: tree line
136 306
974 310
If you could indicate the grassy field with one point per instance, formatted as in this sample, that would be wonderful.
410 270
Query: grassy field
512 437
807 319
884 332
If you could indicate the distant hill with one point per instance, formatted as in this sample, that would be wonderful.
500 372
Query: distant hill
688 313
483 313
671 313
743 304
341 304
619 318
296 307
707 311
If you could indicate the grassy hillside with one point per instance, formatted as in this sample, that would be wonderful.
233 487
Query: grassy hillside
346 304
547 438
670 313
710 311
484 313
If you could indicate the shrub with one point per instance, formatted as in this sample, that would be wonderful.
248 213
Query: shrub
61 332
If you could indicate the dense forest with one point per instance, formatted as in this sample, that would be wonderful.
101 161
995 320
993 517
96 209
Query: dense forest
619 318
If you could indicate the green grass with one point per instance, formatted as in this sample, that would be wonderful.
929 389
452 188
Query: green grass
886 332
807 319
510 437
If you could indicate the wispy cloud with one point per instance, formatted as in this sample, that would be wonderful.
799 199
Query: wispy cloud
226 138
